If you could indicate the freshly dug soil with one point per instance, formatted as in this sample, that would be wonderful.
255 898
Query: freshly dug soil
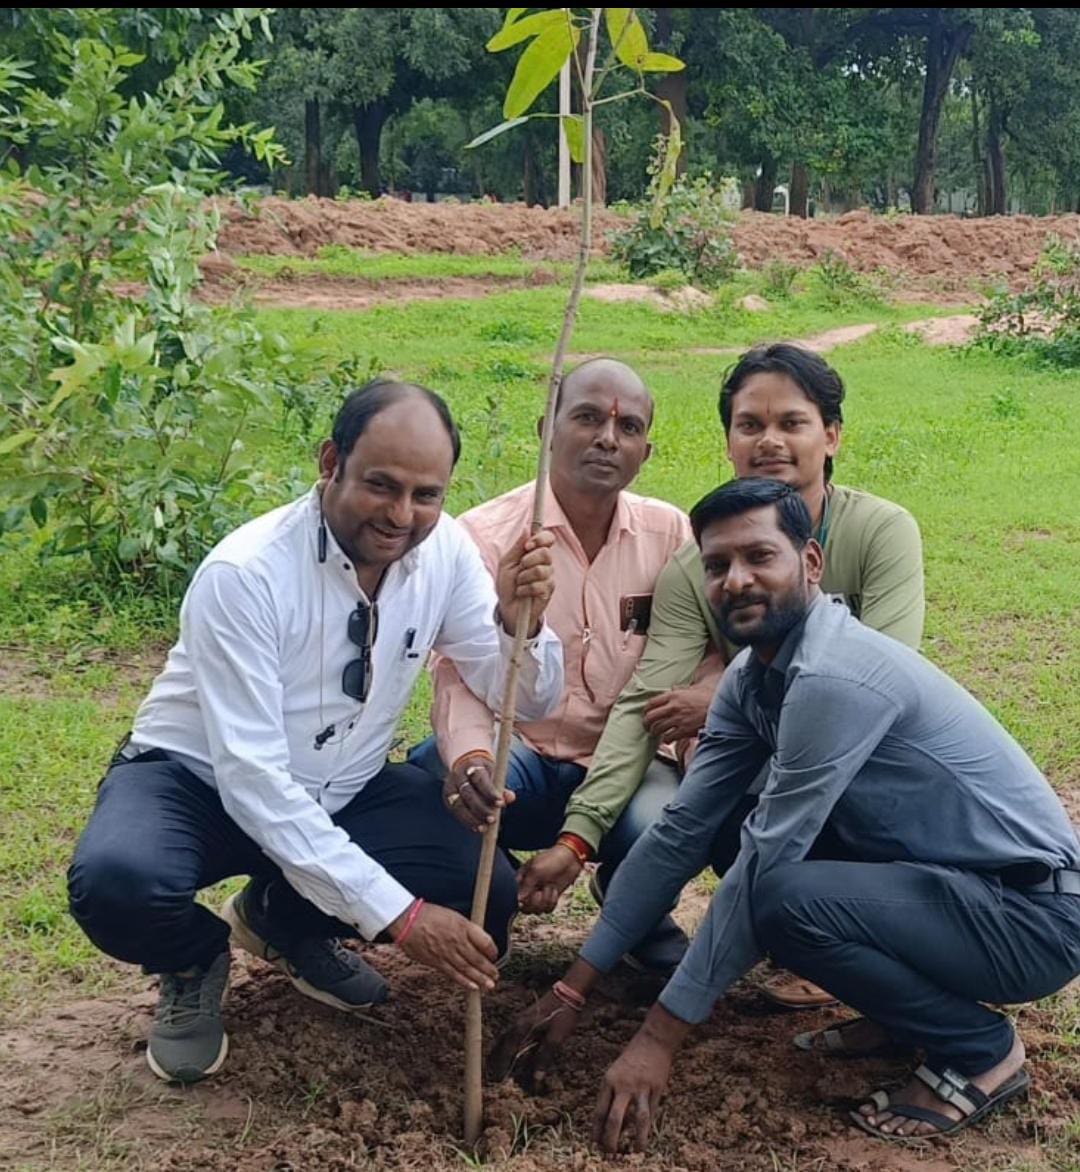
307 1089
943 252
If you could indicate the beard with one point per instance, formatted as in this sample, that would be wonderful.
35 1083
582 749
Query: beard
777 617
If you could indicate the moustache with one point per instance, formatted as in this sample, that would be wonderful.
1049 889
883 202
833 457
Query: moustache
742 601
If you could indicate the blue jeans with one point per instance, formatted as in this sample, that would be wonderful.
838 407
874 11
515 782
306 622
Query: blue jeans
158 834
542 787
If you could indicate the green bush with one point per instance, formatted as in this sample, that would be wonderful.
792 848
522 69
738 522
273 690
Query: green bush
692 237
778 279
1042 319
125 403
842 286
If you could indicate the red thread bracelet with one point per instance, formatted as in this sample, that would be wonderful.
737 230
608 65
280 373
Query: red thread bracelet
410 919
577 846
571 998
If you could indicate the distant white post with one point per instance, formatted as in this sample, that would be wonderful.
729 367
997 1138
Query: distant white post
564 146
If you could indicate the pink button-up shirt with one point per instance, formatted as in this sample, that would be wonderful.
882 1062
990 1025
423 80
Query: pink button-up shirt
598 656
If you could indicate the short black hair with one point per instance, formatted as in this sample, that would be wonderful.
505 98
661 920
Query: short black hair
363 404
815 377
755 492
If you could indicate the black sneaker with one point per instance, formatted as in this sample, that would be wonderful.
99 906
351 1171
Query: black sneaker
664 947
187 1040
321 969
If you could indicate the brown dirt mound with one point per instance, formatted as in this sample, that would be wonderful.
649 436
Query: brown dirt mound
307 1089
301 227
945 251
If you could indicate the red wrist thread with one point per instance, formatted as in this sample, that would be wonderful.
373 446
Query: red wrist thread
410 919
571 998
576 844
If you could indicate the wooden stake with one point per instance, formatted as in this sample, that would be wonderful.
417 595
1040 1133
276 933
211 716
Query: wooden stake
474 1036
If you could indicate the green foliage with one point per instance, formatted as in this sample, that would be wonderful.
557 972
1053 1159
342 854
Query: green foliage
778 279
693 236
841 285
125 401
1042 319
555 35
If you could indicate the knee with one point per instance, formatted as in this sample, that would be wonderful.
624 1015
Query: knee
778 901
113 888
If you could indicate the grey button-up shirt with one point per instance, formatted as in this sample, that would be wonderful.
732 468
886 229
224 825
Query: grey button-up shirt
864 734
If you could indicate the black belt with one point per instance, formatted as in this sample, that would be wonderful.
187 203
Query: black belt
1065 881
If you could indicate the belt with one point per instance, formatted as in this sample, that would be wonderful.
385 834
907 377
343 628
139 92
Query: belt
1062 882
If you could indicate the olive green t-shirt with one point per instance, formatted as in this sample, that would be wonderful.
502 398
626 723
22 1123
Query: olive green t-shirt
873 560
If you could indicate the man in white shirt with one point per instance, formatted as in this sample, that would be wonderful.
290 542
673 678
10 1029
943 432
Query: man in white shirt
261 748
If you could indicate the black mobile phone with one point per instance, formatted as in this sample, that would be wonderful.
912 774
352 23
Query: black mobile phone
635 610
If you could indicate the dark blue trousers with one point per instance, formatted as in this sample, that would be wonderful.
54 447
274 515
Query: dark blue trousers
917 948
158 835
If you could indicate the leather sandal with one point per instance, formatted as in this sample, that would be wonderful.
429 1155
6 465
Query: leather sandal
952 1088
794 992
830 1041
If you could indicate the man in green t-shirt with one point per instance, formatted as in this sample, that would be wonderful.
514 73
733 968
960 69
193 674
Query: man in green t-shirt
781 410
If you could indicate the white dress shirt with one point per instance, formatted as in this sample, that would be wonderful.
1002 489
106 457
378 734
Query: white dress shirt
255 678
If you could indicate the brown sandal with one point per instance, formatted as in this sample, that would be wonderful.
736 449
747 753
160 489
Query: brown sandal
830 1041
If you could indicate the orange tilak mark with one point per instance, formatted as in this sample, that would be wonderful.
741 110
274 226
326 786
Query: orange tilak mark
614 412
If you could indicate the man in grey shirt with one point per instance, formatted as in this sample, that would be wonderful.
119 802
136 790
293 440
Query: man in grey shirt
905 852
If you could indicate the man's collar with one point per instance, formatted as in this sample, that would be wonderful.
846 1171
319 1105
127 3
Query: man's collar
781 661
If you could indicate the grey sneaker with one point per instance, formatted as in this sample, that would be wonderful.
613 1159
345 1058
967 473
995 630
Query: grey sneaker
187 1040
321 969
664 947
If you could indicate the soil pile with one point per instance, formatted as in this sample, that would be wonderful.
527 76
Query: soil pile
946 251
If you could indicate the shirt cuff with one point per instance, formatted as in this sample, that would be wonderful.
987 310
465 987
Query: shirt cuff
384 900
687 1000
543 635
584 827
469 738
605 946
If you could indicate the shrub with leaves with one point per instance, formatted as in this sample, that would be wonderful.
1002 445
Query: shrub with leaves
1044 318
842 285
125 402
690 235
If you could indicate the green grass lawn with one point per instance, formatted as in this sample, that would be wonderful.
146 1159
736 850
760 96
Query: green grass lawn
982 449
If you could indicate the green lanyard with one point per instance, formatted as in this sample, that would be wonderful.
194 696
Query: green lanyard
823 528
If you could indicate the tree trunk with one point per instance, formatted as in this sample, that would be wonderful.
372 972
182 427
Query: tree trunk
998 202
943 49
799 192
313 165
765 184
368 122
599 168
671 87
981 201
528 178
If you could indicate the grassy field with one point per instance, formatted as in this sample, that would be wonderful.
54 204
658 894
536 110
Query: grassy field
981 449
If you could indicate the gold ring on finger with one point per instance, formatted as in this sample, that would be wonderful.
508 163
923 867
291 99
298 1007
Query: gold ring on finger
453 799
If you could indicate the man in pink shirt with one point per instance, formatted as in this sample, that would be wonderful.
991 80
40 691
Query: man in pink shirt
610 546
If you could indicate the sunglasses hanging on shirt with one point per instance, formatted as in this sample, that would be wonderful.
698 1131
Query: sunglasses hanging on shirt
363 627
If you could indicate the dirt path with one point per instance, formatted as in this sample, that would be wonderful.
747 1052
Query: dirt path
321 292
935 331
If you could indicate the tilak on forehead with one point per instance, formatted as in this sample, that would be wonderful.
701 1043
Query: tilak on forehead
614 412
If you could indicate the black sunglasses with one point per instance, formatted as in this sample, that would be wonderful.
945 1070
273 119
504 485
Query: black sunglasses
363 627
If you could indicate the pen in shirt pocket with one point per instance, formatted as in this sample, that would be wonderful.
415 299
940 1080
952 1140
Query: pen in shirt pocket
407 651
